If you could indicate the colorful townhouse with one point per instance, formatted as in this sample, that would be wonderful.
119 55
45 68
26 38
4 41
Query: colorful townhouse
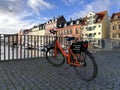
115 26
71 28
38 30
53 24
96 27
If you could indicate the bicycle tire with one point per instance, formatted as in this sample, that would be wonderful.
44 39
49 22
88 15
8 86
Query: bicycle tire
57 60
88 71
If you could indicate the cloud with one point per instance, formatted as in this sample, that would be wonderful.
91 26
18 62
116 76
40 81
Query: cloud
95 6
17 14
39 5
69 2
83 12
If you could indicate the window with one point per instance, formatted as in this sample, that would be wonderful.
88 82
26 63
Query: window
77 31
70 31
94 27
91 17
99 26
71 23
81 28
118 35
65 24
90 28
114 27
90 22
85 34
119 27
82 34
116 17
90 35
94 33
64 32
114 35
77 22
99 33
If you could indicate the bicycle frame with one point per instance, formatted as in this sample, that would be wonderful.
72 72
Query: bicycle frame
67 55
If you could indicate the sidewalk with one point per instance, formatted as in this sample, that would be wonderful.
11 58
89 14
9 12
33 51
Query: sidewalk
38 74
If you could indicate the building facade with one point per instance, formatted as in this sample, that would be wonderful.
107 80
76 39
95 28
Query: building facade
71 28
96 26
115 26
38 30
54 24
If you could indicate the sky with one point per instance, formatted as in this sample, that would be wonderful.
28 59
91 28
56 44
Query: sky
24 14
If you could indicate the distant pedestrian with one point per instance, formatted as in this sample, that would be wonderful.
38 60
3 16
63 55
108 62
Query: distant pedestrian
103 44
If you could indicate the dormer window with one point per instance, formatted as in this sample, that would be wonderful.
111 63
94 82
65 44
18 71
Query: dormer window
60 25
55 20
116 17
91 17
71 23
77 22
98 19
65 24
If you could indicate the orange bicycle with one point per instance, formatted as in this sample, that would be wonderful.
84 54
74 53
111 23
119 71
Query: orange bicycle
77 56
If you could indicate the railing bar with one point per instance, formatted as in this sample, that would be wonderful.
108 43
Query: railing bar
0 47
16 46
8 47
24 46
37 46
34 47
28 46
20 46
31 46
41 39
4 48
13 47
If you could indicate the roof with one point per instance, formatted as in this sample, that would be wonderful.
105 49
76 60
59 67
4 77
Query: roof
59 17
100 16
115 16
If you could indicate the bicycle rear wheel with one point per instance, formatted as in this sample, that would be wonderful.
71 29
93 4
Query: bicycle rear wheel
88 70
57 60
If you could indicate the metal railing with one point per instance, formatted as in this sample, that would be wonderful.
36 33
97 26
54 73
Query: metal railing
14 47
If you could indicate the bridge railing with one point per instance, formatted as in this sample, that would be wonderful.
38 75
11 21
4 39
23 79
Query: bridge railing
14 47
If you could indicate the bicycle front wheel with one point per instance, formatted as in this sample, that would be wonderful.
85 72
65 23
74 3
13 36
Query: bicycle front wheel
56 60
88 70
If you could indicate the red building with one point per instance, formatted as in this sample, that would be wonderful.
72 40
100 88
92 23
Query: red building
71 28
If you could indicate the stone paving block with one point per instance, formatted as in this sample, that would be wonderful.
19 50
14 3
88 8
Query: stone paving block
3 88
41 75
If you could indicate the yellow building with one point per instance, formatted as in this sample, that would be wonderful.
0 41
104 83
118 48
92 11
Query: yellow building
96 29
37 30
96 26
115 26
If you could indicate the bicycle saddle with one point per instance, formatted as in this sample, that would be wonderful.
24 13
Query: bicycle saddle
69 38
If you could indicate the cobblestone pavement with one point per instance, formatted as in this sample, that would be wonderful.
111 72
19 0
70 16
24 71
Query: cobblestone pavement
38 74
